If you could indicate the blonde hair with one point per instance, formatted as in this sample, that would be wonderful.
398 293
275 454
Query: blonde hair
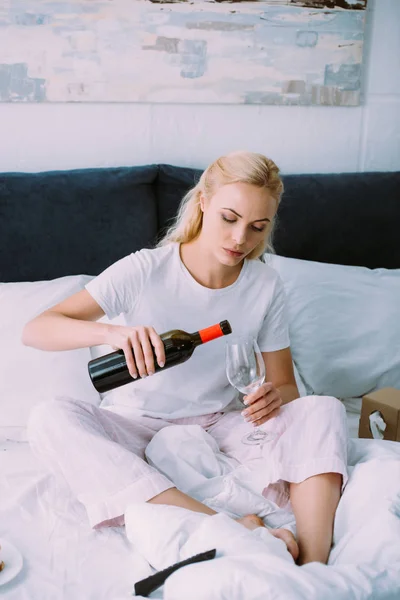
236 167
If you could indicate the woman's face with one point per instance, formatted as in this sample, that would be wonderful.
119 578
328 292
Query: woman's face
235 220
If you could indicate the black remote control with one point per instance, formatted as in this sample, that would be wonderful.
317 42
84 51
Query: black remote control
144 587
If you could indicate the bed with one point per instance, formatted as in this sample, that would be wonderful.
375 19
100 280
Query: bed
62 557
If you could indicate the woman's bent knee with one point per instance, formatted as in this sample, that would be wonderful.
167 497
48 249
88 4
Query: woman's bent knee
334 405
323 403
50 418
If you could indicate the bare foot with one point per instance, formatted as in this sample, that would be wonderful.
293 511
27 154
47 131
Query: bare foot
252 522
287 536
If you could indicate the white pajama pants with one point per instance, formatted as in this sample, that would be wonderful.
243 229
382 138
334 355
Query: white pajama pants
101 453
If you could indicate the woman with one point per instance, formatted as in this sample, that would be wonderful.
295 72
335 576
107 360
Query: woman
205 270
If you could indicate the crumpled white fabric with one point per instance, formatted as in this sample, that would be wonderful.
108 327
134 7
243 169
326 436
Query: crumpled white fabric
250 565
254 565
172 534
190 457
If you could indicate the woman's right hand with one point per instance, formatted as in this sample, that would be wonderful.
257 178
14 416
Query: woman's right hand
137 344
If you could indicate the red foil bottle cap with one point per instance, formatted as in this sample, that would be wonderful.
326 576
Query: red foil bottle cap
215 331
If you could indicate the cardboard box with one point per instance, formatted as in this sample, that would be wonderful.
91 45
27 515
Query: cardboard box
387 402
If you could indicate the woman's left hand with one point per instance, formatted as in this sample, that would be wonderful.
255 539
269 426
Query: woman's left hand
262 405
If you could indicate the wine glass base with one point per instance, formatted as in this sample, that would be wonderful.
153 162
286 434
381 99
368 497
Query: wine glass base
257 438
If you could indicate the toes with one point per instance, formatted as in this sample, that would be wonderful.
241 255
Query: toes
256 520
251 521
287 536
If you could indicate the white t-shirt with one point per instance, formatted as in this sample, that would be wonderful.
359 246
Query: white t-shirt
154 288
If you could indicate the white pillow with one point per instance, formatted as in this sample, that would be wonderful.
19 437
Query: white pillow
27 375
367 526
344 325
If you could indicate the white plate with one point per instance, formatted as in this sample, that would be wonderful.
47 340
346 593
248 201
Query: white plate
12 559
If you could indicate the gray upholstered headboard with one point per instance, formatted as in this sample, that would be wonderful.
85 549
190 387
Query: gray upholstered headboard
72 222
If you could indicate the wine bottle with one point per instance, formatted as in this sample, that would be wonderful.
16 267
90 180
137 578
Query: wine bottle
111 371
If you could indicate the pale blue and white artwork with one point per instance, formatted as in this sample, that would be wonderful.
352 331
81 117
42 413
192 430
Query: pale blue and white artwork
178 51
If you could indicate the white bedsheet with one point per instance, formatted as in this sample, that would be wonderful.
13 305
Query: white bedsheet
64 559
364 562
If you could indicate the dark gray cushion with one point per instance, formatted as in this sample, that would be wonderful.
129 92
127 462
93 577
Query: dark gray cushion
70 222
346 218
172 185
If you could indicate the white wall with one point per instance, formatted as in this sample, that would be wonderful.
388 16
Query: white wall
38 137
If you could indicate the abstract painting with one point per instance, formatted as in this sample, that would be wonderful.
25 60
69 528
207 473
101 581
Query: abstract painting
284 52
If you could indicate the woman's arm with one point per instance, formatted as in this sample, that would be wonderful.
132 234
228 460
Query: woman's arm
280 388
67 325
279 372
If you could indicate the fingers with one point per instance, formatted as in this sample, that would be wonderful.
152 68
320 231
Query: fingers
263 414
158 346
263 401
148 356
257 421
130 360
264 389
262 409
141 346
139 352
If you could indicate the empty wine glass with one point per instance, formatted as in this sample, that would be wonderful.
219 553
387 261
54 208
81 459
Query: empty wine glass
245 370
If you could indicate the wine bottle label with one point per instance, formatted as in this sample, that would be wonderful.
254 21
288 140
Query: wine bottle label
210 333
